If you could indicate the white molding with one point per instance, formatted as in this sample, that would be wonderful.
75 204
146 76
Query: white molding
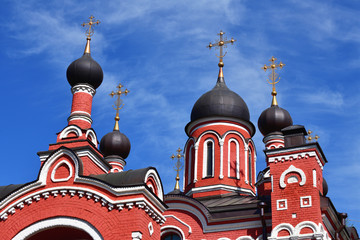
218 124
92 135
150 228
71 171
221 143
292 168
136 235
94 158
172 229
196 146
70 129
318 231
278 207
59 222
302 205
152 173
179 220
219 187
314 178
84 89
81 113
246 148
295 156
245 238
79 117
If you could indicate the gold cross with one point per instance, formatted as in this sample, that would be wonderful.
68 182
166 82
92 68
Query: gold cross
310 138
90 30
178 167
221 43
118 103
274 76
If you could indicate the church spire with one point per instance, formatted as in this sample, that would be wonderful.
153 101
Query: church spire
178 167
89 32
118 103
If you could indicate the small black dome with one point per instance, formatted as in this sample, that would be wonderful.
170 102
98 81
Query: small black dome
220 101
325 187
274 119
115 143
85 70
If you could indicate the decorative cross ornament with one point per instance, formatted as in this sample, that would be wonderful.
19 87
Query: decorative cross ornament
178 167
274 76
310 138
90 30
221 43
118 103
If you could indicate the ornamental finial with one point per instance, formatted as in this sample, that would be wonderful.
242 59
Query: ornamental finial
310 138
221 43
178 167
118 103
89 31
273 77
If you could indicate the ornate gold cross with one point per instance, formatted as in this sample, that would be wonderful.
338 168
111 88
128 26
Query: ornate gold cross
90 30
274 76
118 103
178 167
310 138
221 43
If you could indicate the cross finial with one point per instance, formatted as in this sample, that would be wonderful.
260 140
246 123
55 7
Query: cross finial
273 77
310 138
221 43
178 167
89 32
118 103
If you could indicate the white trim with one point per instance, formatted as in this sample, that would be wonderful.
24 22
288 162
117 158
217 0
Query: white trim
278 207
59 222
237 175
70 129
152 173
172 229
136 235
219 187
218 124
79 117
294 232
179 220
196 146
150 228
292 168
71 171
83 88
246 148
221 143
92 135
305 205
314 177
223 238
245 238
205 158
81 113
94 158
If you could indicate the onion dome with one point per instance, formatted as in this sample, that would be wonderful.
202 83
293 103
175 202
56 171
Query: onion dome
85 70
220 101
115 143
325 187
274 119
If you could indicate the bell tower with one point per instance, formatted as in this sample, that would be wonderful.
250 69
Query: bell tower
219 154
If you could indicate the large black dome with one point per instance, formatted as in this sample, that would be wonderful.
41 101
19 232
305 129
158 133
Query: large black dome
220 101
85 70
274 119
115 143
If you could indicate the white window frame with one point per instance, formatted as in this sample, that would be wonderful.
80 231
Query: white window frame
205 157
237 157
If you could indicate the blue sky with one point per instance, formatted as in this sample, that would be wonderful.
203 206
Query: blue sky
157 50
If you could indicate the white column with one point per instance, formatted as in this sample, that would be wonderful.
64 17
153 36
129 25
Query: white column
196 162
221 143
246 148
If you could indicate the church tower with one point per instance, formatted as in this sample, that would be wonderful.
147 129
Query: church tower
219 154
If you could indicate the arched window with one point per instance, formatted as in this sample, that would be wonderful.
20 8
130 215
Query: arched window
208 159
250 166
233 159
171 236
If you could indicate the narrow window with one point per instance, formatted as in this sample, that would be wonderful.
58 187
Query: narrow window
189 165
209 161
233 159
250 167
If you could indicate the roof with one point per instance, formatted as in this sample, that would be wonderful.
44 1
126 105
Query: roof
6 190
230 202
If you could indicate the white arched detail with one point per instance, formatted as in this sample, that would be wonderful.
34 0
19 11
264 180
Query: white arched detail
189 166
307 224
92 135
172 229
237 158
70 129
223 238
289 170
71 171
59 222
294 232
245 238
205 158
236 133
152 173
282 226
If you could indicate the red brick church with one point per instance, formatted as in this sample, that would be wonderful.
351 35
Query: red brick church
83 190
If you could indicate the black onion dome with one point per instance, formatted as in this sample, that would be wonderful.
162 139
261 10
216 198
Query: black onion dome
274 119
115 143
85 70
220 101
